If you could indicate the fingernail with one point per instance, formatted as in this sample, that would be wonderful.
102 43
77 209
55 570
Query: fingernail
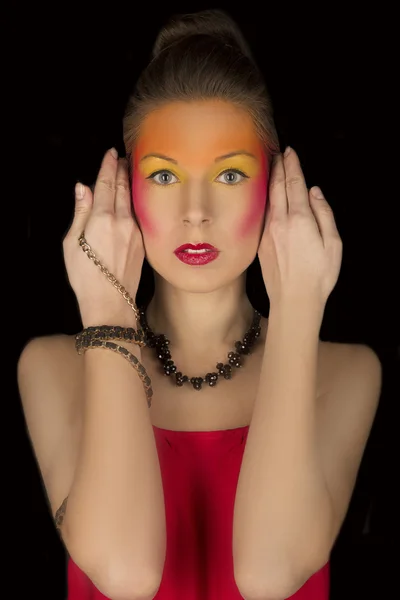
287 151
79 191
317 192
114 152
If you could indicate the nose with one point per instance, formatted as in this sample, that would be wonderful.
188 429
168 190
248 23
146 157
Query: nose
196 204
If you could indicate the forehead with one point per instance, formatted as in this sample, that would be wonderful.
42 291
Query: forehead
197 131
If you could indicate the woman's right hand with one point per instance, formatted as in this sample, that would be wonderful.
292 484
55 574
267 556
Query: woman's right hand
115 238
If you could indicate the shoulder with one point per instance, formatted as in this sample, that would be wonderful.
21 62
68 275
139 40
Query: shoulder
44 344
38 351
349 361
50 367
349 371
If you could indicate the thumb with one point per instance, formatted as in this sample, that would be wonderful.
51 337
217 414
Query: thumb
83 207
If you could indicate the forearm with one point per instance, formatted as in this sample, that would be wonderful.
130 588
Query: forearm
115 518
282 505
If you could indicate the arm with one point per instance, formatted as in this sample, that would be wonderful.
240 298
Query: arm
115 513
114 523
303 453
304 445
283 512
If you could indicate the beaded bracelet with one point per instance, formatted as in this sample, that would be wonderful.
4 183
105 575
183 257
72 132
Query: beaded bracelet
83 343
109 332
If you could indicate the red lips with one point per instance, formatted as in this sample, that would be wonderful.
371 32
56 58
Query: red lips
196 247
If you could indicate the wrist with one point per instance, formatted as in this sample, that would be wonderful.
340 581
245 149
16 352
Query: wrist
121 318
307 311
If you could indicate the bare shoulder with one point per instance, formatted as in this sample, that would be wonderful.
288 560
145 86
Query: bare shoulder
50 386
56 346
346 364
46 361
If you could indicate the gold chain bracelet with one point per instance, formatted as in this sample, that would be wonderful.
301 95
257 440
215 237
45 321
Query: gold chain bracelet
124 293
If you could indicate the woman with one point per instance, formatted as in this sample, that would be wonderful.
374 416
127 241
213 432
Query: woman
220 462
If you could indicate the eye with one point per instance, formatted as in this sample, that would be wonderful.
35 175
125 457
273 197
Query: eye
232 176
164 177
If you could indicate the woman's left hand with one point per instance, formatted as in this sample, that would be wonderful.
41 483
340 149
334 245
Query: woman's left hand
300 251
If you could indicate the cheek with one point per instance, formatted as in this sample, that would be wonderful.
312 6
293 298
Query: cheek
256 209
138 199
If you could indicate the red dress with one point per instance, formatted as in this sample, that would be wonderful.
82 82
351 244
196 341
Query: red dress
200 471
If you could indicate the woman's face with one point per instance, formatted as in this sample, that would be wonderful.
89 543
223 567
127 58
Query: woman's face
199 175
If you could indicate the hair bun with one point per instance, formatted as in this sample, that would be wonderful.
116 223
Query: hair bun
214 23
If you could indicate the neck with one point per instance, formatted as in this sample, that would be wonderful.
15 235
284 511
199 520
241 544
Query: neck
196 322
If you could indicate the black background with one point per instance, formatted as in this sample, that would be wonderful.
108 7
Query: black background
327 72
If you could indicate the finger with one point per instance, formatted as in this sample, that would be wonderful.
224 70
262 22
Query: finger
122 195
323 215
104 190
278 206
83 208
296 188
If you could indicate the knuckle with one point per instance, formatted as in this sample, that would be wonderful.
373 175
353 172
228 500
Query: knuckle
293 181
107 183
122 186
325 207
103 218
298 215
103 209
127 219
81 209
276 181
105 212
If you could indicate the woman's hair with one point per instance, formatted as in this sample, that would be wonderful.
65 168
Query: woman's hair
201 56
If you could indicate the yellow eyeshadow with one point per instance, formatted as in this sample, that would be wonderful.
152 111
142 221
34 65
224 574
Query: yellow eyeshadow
249 166
151 165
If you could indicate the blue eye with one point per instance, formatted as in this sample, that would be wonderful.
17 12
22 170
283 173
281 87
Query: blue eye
165 174
230 177
232 180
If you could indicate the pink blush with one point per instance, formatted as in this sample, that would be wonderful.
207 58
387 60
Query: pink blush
257 205
138 196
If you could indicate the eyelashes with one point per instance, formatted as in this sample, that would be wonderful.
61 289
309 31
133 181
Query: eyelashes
153 180
152 177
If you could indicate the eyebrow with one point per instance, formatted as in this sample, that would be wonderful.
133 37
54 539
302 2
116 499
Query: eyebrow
218 159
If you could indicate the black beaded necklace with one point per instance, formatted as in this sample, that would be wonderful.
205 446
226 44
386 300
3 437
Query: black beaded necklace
161 345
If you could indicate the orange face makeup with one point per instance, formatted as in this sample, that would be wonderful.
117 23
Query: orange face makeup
197 142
